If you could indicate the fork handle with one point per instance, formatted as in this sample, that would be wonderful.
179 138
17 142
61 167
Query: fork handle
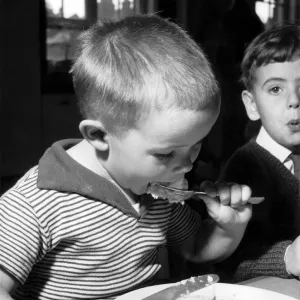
252 200
256 200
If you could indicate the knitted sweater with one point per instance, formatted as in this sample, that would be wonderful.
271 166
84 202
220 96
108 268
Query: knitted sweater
275 222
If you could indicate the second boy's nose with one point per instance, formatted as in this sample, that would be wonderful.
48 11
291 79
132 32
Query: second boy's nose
294 100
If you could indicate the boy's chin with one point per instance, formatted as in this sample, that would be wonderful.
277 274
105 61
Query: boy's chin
140 190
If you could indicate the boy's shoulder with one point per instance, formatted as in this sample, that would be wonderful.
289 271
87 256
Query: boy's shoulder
246 153
25 183
27 192
60 179
59 172
246 162
254 153
56 172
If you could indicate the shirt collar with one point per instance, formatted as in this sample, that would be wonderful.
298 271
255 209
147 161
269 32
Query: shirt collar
266 141
59 171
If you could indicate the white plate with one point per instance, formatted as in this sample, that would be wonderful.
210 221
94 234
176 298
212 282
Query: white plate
222 291
143 292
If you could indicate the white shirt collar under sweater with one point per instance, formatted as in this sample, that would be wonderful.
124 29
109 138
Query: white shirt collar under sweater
280 152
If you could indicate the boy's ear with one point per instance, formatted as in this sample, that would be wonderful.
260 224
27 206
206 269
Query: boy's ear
93 131
250 105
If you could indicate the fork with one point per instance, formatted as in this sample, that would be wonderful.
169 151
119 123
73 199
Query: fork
186 194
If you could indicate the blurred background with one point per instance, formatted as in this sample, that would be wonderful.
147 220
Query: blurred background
38 43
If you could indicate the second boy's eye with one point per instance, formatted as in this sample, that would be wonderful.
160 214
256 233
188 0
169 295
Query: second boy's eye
275 90
164 156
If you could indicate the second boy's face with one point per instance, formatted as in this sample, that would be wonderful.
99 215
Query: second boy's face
163 149
276 93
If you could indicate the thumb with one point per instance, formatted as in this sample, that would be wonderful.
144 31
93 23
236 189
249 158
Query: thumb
212 205
244 212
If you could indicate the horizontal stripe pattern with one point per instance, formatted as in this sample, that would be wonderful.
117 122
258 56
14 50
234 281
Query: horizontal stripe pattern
66 246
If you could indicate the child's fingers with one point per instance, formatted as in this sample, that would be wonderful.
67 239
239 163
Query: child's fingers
229 193
224 192
240 194
246 193
236 195
212 205
209 188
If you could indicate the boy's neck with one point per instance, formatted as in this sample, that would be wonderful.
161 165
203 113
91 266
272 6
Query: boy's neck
85 154
276 148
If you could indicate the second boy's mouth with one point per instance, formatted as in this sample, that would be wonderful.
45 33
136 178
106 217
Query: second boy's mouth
294 125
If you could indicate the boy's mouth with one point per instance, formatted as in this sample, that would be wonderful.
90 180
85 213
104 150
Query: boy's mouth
294 125
171 183
160 192
165 183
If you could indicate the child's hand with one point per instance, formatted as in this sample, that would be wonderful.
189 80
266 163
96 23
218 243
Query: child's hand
292 258
227 202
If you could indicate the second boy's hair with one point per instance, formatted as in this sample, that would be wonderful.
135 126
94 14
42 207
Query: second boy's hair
278 44
128 68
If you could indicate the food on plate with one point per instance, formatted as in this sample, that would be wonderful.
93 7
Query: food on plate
202 284
182 290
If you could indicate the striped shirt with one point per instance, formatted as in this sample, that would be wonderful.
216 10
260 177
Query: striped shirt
67 233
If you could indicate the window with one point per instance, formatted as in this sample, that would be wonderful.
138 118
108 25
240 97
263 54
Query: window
276 11
65 20
265 10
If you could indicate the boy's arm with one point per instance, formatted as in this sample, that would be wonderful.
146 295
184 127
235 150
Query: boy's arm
219 235
7 285
258 259
213 242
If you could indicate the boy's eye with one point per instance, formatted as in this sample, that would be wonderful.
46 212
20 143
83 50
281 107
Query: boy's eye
275 90
164 156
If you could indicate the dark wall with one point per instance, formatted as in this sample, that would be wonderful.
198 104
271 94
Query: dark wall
21 86
31 120
223 29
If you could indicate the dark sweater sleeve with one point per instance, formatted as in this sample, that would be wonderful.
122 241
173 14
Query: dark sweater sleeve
245 264
256 255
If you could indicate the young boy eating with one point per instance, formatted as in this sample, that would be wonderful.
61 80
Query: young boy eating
81 225
268 162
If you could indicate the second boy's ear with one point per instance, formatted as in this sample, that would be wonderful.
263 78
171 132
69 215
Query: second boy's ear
93 131
250 105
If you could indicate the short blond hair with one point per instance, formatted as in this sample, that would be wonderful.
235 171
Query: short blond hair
127 67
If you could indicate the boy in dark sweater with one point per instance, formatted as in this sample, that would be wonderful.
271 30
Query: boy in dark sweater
271 75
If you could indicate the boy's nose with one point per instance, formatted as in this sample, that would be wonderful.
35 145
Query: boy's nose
185 165
294 100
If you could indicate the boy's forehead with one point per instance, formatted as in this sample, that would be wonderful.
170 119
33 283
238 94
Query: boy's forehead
278 71
177 128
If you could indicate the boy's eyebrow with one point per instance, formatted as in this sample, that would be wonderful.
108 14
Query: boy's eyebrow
277 79
273 79
175 146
